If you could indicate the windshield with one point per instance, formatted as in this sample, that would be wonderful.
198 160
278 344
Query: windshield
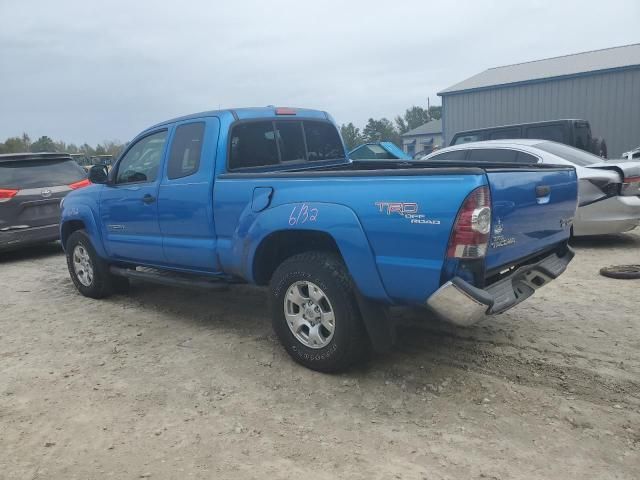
573 155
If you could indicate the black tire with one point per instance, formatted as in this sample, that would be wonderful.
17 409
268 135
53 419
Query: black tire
622 272
349 343
101 285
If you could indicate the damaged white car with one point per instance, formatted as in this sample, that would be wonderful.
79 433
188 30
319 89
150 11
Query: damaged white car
609 191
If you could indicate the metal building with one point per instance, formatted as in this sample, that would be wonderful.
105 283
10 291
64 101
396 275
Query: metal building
601 86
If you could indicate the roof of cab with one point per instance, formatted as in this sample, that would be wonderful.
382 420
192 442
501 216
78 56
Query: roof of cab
250 113
24 156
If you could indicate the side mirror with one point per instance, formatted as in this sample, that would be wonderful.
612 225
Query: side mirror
98 174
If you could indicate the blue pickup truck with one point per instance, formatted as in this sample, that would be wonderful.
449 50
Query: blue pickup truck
268 196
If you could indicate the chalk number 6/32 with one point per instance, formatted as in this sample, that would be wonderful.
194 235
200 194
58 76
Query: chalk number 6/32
302 214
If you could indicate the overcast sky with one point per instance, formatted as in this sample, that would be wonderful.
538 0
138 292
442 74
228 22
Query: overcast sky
89 71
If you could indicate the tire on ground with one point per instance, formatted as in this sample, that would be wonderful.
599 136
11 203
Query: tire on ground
623 272
350 342
101 285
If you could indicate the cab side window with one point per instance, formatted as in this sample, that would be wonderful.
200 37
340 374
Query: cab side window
142 161
186 149
555 133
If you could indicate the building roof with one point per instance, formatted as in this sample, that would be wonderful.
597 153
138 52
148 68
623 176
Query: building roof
430 128
568 65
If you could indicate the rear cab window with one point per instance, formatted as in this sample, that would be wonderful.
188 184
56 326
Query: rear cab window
275 142
40 173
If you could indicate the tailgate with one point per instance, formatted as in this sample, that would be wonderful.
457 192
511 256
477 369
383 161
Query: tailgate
532 210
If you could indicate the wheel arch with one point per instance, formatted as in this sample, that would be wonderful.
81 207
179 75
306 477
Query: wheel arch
81 217
276 247
68 228
336 229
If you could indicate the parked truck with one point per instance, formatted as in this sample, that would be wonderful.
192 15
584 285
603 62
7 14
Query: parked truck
268 196
573 132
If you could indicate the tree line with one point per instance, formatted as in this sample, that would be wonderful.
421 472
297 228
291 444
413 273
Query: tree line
24 143
384 130
376 130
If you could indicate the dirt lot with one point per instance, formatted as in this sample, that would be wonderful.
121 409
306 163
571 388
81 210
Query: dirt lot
178 384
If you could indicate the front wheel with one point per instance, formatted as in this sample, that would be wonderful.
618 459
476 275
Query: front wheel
89 273
315 314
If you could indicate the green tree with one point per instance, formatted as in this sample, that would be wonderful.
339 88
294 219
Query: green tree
413 118
435 112
110 147
26 140
43 144
381 131
72 148
87 150
15 145
351 136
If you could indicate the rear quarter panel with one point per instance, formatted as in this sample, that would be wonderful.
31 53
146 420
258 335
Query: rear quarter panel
392 230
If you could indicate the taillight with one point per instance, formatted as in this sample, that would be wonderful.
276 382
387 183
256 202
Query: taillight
6 195
470 234
80 184
630 186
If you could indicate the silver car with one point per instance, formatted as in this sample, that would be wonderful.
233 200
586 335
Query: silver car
608 191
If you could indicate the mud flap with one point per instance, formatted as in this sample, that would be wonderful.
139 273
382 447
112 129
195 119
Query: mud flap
380 327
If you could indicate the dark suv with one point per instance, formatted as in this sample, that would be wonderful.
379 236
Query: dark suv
31 187
576 133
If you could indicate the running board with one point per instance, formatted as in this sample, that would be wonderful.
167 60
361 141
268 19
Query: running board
174 279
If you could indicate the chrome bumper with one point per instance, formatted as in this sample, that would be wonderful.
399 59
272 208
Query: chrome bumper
462 304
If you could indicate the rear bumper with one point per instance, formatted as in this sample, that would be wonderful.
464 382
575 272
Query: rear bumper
462 304
613 215
17 238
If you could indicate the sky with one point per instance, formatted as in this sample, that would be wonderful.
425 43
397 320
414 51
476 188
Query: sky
84 71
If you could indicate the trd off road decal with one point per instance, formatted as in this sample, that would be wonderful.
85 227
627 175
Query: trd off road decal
408 210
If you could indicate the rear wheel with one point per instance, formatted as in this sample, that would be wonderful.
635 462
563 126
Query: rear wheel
315 314
89 273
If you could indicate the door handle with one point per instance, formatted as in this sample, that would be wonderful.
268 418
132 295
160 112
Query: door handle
148 198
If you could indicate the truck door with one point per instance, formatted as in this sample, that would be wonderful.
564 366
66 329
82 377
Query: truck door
185 197
128 205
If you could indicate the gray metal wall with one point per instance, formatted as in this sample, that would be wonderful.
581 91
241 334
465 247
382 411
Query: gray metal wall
610 101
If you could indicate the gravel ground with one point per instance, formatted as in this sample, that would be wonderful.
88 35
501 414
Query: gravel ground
167 383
